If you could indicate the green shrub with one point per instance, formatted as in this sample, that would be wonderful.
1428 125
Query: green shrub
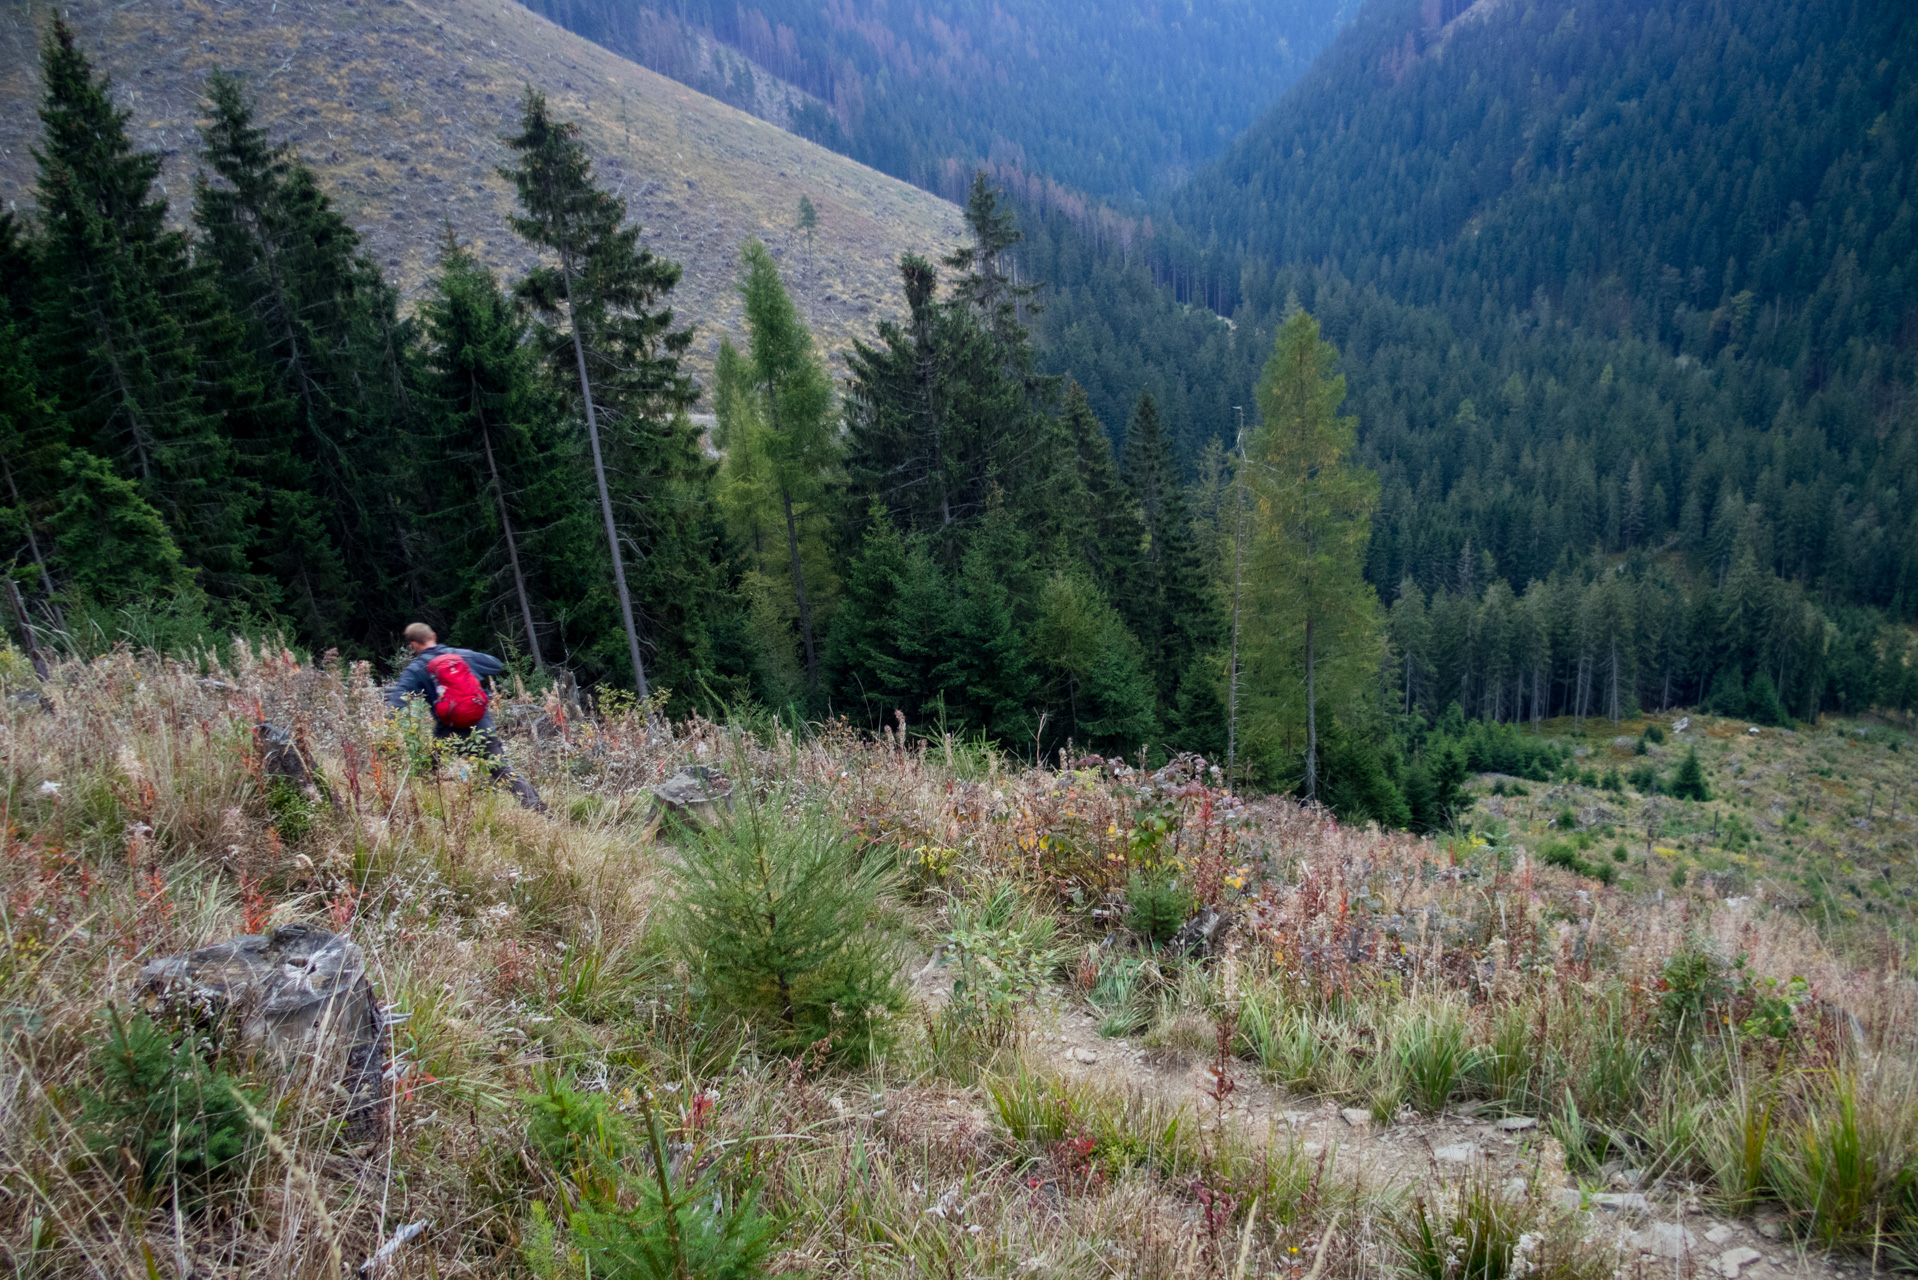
184 1121
292 808
1156 906
639 1214
785 926
1644 780
573 1129
1004 950
1654 733
1693 981
1560 854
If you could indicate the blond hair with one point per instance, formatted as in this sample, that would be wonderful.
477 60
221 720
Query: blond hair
419 633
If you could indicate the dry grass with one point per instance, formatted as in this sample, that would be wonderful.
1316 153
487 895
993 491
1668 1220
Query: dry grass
517 950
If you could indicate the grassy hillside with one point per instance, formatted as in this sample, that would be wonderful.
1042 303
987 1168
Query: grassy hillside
401 105
1818 818
1394 1046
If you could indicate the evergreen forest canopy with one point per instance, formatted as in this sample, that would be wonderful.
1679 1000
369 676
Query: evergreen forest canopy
1372 508
1117 101
1624 295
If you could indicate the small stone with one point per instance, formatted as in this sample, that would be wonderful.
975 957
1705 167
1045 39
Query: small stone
1457 1153
1298 1119
1357 1117
1622 1202
1732 1259
1772 1228
1630 1179
1082 1055
1665 1240
1515 1186
1512 1124
1718 1234
1571 1198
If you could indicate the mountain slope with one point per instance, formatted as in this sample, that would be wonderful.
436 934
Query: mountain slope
1117 100
400 106
1619 276
1628 154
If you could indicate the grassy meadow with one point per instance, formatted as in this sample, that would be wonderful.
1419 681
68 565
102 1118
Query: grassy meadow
915 1008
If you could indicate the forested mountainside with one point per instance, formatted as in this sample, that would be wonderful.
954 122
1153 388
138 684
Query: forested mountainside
1618 280
1112 100
399 110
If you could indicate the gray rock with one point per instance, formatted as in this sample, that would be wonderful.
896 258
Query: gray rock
299 996
1357 1117
1457 1153
1201 934
1622 1202
1571 1198
1732 1259
1665 1240
1719 1234
1512 1124
694 795
1772 1228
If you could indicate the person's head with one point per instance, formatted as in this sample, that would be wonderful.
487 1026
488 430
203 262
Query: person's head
420 636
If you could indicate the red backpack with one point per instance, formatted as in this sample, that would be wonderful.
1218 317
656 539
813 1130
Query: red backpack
462 703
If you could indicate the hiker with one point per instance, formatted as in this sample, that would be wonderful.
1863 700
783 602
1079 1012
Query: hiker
450 679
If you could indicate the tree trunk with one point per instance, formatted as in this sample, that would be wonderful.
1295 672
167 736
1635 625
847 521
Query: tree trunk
27 635
605 495
799 590
1238 592
1615 706
33 545
512 550
1311 718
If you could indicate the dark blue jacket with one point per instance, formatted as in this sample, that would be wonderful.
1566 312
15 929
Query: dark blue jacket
416 679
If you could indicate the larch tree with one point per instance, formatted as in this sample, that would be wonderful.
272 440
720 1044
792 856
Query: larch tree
1312 613
797 440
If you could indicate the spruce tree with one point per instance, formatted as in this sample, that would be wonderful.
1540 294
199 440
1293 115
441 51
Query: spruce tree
32 444
113 548
1688 782
116 309
509 531
947 413
331 432
1095 686
1109 537
611 341
1312 613
1170 606
859 645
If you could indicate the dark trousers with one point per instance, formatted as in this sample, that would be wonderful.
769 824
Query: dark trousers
481 744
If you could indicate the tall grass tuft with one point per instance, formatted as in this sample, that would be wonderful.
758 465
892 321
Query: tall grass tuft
1433 1051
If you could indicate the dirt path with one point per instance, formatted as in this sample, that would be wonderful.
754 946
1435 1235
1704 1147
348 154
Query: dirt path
1661 1227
